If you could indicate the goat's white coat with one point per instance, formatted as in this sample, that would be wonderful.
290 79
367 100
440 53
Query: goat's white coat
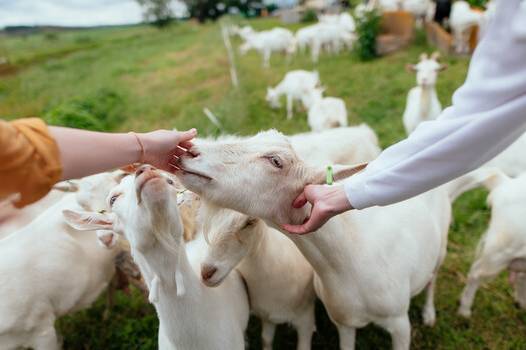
461 20
324 112
191 315
505 239
294 86
422 101
401 245
269 41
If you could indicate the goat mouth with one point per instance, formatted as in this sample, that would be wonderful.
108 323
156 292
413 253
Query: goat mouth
142 182
185 171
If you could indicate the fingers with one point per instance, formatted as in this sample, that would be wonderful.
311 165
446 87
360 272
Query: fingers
300 201
305 228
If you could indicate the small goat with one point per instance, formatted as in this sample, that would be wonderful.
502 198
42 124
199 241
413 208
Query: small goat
144 208
294 86
324 112
278 277
266 42
422 101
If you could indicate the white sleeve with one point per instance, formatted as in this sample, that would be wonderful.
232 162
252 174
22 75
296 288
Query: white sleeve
487 115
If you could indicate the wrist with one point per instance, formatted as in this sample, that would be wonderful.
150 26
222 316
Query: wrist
138 147
340 202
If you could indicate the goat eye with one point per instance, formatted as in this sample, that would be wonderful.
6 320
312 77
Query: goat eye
276 161
250 222
113 199
170 181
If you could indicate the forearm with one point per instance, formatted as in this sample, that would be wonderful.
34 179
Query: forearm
488 114
84 152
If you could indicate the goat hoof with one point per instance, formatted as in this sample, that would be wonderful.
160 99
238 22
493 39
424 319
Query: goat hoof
466 313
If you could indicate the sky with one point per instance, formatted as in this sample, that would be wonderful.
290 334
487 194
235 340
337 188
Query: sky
69 12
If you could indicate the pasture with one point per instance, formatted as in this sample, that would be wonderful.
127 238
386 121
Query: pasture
139 78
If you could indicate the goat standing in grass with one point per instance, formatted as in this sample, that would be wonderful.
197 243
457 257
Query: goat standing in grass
422 100
294 86
144 208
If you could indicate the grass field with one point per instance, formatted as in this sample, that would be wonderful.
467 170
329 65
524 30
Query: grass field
139 78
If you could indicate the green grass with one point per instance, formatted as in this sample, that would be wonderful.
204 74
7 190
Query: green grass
139 78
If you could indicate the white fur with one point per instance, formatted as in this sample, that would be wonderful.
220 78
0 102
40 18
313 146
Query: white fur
191 315
294 86
422 100
368 264
324 112
47 270
461 20
504 242
269 41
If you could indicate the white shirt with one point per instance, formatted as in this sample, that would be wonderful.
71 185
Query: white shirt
487 115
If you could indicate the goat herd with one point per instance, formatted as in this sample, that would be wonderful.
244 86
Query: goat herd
209 245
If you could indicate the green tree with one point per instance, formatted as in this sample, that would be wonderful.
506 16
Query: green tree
157 12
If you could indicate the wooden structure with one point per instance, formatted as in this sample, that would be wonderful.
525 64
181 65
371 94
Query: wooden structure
396 31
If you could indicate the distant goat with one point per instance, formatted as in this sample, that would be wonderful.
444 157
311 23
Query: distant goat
294 86
422 101
269 41
324 112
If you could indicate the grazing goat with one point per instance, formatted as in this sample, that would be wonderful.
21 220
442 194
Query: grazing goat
144 208
266 42
294 86
324 112
461 21
422 10
48 269
504 243
422 101
401 245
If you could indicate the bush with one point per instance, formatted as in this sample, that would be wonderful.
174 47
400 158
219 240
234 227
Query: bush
309 16
368 28
100 111
478 3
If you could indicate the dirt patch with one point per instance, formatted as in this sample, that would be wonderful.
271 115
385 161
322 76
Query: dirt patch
8 69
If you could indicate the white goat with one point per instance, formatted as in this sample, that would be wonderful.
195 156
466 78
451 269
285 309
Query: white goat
266 42
48 269
331 37
243 32
192 316
401 245
278 277
512 161
349 145
422 100
422 10
504 243
294 86
462 20
324 112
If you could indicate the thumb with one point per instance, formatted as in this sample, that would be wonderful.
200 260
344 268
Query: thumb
300 201
187 135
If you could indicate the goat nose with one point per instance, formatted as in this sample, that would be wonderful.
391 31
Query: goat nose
144 168
207 271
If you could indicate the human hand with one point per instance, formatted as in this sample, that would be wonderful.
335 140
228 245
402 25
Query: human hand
161 148
327 201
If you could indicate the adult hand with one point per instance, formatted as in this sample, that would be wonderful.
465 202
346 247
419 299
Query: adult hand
327 201
163 147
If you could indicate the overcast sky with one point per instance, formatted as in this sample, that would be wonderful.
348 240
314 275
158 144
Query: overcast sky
69 12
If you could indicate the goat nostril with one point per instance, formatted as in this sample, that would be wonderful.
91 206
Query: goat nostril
208 272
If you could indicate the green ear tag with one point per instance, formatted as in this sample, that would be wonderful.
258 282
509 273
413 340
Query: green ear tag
330 178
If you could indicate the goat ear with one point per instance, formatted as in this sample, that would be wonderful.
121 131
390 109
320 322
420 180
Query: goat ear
107 239
435 56
67 186
340 172
411 68
85 221
424 56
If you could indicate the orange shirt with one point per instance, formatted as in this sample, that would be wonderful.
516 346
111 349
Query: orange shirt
29 160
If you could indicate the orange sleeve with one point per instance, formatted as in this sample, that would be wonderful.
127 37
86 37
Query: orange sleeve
29 160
